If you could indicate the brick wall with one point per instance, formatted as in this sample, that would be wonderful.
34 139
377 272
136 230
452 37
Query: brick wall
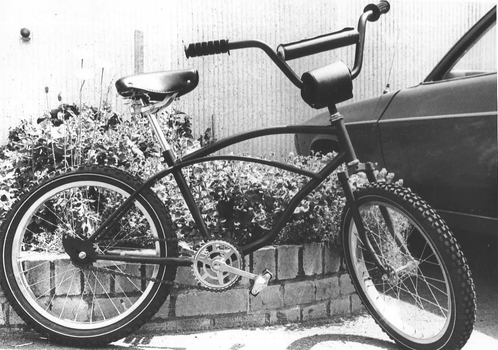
309 283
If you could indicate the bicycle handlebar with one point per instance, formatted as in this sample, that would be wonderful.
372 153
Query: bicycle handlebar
285 52
307 47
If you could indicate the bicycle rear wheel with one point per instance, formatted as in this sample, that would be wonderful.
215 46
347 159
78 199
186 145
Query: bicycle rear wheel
69 296
422 295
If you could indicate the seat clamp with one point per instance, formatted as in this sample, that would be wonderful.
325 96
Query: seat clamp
154 107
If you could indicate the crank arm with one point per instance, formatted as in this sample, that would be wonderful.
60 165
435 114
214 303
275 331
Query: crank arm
222 266
260 281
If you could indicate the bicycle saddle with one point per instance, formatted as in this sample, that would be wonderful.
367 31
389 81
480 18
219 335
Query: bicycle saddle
158 85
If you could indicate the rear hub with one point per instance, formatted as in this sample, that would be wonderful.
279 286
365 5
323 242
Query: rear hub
81 252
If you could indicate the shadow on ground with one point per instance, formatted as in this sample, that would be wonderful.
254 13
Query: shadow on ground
307 343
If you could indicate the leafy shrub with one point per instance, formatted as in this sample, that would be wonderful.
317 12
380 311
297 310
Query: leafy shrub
238 200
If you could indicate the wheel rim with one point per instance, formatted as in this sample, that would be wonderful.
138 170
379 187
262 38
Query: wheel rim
74 296
414 296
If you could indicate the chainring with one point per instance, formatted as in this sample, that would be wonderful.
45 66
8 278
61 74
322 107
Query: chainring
210 254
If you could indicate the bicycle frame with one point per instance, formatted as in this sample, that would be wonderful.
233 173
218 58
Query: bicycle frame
175 165
337 128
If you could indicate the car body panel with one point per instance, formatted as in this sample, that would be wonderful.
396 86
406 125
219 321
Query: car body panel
454 153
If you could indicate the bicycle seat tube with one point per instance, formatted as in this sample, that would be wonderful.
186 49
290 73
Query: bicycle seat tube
170 159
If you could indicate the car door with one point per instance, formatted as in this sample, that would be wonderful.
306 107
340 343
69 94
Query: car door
441 137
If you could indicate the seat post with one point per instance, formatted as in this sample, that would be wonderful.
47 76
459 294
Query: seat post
165 146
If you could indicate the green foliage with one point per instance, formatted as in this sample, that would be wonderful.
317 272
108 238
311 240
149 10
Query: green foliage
241 201
238 200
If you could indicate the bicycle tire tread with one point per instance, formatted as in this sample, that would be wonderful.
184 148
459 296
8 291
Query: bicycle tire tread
459 268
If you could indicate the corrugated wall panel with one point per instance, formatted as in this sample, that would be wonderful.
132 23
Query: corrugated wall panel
241 91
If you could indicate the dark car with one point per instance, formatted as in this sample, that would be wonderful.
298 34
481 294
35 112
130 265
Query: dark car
440 137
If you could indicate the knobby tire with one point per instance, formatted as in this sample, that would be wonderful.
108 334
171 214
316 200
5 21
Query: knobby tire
424 296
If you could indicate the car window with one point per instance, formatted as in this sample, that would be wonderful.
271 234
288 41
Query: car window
478 59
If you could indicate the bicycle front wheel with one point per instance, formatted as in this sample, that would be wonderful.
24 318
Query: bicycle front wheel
51 276
408 269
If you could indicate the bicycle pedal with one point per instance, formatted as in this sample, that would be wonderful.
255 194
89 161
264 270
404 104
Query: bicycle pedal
261 282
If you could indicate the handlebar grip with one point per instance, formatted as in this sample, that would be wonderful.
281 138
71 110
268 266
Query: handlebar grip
207 48
378 9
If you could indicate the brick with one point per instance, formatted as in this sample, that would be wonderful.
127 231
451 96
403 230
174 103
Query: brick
14 319
67 278
185 275
176 325
346 285
123 284
104 307
264 258
209 303
331 260
315 312
299 293
340 306
285 315
97 283
287 262
241 320
38 276
71 308
3 314
327 288
269 298
312 259
356 304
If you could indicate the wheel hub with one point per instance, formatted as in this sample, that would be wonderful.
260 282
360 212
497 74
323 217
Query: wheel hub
81 252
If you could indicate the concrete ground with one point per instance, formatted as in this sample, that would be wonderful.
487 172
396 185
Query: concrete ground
358 333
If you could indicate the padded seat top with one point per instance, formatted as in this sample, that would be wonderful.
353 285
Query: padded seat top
158 85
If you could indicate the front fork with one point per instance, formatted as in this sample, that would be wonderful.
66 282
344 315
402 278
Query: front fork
354 166
353 207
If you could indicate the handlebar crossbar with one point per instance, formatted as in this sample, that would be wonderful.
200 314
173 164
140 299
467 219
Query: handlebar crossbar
307 47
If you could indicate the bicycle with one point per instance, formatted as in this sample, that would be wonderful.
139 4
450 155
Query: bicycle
404 262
